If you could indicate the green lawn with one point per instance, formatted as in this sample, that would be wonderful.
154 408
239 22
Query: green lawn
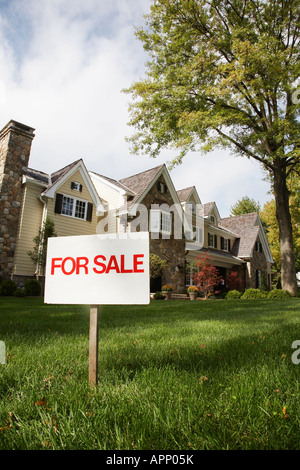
172 375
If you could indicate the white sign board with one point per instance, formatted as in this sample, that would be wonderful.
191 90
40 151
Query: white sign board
98 269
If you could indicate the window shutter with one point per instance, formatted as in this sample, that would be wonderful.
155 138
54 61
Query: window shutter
89 214
229 244
222 243
58 203
215 241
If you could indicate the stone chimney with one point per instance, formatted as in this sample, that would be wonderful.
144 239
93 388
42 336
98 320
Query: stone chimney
15 145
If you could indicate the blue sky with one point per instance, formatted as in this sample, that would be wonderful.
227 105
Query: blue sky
63 65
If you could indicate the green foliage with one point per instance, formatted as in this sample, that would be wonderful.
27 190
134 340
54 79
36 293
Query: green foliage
39 252
279 294
159 296
223 74
20 292
253 294
32 287
157 264
233 294
245 206
8 287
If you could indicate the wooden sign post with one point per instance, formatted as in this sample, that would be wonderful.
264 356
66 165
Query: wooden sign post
93 346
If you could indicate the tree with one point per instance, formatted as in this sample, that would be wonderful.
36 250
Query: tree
207 276
39 252
245 206
223 73
269 221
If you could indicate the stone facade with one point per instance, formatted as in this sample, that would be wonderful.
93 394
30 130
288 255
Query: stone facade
15 146
170 249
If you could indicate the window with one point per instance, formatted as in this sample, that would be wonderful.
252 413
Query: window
162 187
165 222
212 240
73 207
160 222
225 244
76 186
212 218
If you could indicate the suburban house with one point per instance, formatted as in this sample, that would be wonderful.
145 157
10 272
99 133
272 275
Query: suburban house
83 202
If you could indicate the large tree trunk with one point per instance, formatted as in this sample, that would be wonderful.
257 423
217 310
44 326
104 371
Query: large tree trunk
281 193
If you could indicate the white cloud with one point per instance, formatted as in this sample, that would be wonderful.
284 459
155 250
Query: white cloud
63 75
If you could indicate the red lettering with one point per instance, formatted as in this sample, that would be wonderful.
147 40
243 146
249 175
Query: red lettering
82 262
123 270
112 264
73 266
136 263
102 265
53 265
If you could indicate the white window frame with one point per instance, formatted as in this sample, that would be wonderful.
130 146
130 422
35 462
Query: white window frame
75 199
160 222
166 222
225 246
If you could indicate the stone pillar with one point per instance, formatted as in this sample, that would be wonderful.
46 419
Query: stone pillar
15 145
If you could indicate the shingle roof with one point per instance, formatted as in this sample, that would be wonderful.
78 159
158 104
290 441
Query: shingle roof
139 183
183 194
207 207
246 228
49 180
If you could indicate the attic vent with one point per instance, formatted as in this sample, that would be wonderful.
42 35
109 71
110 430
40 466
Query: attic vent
162 187
76 186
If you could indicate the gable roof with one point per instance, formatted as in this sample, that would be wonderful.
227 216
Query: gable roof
112 182
208 208
51 183
141 183
247 227
186 193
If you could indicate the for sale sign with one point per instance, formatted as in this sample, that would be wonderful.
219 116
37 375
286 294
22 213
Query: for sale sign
98 269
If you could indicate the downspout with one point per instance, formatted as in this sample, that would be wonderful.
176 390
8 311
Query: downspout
43 221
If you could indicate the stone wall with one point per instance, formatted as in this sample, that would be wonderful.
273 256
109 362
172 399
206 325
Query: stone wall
170 249
15 146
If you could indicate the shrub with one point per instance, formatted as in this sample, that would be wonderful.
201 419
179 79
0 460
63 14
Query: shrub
233 294
20 292
279 294
253 294
158 296
8 287
32 287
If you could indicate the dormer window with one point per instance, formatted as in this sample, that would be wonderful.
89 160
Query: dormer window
76 186
213 219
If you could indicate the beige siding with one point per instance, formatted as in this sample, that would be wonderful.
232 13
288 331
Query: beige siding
115 200
69 226
30 224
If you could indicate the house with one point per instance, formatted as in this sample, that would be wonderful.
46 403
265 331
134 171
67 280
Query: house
83 202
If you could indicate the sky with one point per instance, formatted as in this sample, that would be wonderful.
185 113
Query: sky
63 66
